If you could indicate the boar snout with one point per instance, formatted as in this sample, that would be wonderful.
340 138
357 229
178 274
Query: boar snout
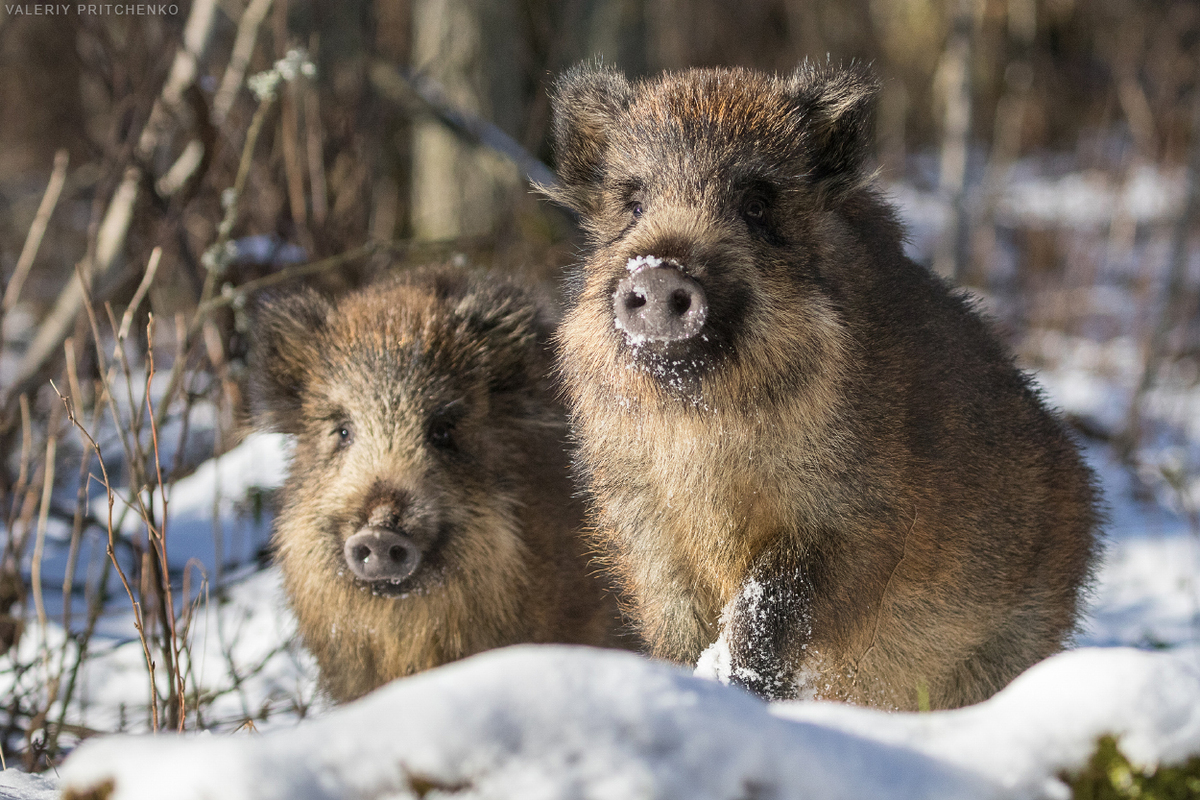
659 304
379 554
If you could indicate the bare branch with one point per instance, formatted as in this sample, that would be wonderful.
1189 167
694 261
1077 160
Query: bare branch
239 60
37 230
403 87
1173 292
110 238
35 576
139 295
112 553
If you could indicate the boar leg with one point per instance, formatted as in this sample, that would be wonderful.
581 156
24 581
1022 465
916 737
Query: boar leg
768 626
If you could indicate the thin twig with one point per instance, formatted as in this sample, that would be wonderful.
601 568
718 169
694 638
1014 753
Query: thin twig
35 576
112 554
15 546
52 732
139 295
239 59
1173 292
26 455
224 232
955 74
399 85
293 165
884 594
81 490
314 138
33 241
235 294
169 622
95 607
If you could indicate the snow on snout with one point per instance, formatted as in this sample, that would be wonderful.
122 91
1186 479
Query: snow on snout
639 263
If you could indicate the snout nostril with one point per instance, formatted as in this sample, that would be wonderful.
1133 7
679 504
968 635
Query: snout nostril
681 301
659 304
375 554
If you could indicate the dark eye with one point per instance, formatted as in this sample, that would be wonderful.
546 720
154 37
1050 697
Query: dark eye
441 434
345 434
754 209
636 209
442 427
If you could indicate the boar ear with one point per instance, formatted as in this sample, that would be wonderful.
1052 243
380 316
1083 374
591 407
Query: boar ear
284 350
586 101
837 106
516 324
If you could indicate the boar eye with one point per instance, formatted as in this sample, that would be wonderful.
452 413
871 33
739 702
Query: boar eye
755 209
441 434
442 424
345 434
636 209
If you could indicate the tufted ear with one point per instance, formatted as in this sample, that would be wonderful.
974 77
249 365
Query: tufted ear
585 103
837 106
284 350
513 324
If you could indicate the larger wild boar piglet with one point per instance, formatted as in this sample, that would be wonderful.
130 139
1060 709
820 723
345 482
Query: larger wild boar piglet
797 441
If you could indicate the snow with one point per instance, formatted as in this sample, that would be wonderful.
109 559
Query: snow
1048 720
219 489
17 785
1092 198
241 654
639 263
555 722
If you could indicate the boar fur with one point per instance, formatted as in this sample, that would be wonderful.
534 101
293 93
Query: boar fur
429 512
796 440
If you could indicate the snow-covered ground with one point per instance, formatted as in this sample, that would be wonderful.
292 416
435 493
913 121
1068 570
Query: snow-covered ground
567 722
563 722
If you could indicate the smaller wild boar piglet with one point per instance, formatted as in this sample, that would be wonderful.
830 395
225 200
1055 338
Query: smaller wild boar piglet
798 442
429 512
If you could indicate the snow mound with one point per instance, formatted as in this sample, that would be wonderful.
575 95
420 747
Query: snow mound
24 786
568 722
1049 719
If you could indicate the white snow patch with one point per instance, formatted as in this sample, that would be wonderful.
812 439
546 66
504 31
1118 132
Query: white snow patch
551 722
714 663
1049 719
1091 199
241 655
531 722
1148 593
639 263
16 784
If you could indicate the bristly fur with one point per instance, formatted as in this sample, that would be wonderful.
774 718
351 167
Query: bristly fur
846 441
505 564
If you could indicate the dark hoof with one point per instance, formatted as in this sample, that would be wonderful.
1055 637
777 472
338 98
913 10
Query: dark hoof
659 304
